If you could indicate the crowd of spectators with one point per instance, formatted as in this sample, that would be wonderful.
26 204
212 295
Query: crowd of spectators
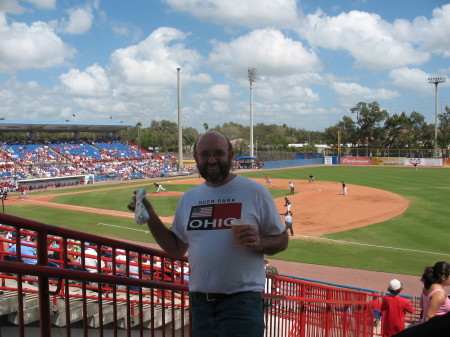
24 159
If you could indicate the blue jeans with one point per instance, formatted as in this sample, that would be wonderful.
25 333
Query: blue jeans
235 315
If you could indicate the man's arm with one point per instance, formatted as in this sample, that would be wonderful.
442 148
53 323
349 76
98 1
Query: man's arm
168 241
273 244
269 245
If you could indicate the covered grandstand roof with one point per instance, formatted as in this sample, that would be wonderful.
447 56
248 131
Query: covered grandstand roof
43 126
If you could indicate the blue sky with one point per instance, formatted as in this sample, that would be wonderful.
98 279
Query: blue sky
115 60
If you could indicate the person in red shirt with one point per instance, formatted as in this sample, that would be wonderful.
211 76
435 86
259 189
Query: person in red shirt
375 304
394 309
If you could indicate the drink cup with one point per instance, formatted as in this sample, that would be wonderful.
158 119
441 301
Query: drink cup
236 226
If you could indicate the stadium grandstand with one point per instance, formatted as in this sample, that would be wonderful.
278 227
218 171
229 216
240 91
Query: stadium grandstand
30 160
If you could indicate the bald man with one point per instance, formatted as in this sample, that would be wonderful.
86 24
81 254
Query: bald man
226 279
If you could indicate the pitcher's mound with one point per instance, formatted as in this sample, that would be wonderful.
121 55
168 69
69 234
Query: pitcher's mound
164 194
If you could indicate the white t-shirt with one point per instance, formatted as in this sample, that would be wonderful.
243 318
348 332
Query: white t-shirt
134 268
121 261
203 220
91 262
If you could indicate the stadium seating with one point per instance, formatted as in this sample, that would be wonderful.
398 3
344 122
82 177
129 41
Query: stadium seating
105 159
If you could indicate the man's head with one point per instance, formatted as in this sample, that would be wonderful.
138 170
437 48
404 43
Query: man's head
213 154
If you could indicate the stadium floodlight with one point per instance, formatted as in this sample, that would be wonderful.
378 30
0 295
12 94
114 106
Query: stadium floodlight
180 126
251 79
436 81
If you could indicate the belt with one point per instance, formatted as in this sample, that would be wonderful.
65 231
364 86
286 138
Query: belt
210 297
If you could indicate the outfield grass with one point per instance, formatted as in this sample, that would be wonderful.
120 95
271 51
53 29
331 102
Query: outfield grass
405 244
424 227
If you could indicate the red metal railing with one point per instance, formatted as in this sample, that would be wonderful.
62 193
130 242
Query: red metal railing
90 288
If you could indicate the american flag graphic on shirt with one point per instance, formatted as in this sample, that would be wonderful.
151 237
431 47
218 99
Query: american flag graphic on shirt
201 211
213 216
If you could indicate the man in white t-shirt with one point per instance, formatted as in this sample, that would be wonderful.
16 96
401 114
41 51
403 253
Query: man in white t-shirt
226 281
91 258
121 261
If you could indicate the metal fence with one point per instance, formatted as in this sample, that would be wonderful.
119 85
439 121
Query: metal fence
91 292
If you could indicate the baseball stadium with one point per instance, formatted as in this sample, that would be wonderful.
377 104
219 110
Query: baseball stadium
72 197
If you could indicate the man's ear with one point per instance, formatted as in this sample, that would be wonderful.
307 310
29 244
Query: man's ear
196 158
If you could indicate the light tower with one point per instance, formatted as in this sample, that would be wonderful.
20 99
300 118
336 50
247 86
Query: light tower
180 126
251 79
436 81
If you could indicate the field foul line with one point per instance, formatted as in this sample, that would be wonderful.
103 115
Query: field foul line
122 227
369 245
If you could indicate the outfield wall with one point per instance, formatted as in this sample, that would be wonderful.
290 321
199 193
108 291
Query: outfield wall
368 161
392 161
292 163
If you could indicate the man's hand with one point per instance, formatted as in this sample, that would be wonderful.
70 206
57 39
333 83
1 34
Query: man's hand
249 237
163 236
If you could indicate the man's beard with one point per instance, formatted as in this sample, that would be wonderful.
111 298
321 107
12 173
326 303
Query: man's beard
215 178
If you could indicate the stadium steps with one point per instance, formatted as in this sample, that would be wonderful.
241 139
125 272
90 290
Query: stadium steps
9 306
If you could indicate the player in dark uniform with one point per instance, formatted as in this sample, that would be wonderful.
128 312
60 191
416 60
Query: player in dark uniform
288 206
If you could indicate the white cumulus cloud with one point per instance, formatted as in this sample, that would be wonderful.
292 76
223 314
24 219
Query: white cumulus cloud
432 34
219 91
48 4
91 82
154 60
34 46
373 42
14 6
266 49
355 92
248 13
412 79
79 22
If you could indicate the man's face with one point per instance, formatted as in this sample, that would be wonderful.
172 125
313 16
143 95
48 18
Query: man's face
213 158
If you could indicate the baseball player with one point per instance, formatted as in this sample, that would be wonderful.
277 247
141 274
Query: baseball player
344 189
159 186
288 206
291 186
22 193
268 181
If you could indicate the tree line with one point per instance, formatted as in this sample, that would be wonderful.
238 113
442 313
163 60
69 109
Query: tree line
369 126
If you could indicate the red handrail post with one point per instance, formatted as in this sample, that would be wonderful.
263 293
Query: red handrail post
44 293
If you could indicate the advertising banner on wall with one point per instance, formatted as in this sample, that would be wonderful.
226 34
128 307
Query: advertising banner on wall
434 162
356 161
391 161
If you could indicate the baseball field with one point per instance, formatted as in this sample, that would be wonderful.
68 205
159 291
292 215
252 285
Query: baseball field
394 219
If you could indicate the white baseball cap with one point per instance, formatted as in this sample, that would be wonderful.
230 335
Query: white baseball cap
395 284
